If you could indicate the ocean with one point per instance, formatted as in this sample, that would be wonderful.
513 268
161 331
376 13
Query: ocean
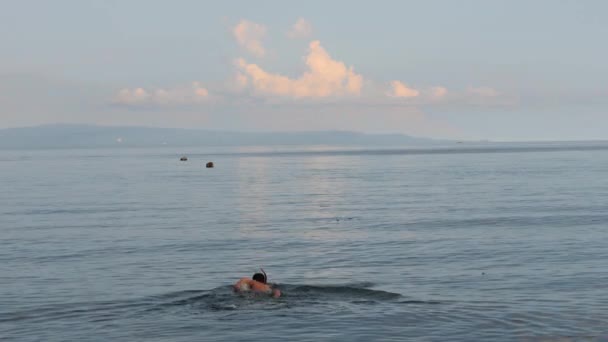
486 242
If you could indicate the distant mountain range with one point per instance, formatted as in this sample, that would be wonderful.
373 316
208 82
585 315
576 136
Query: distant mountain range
87 136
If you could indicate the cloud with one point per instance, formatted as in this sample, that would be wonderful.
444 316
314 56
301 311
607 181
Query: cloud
301 29
325 81
487 96
132 96
241 80
398 89
249 35
438 92
193 94
325 77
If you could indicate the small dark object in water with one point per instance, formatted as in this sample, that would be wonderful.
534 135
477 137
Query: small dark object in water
183 158
209 165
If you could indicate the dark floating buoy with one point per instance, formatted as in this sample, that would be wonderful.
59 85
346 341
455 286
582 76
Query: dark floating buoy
209 165
183 158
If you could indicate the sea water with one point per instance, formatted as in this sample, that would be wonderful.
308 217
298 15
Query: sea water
472 243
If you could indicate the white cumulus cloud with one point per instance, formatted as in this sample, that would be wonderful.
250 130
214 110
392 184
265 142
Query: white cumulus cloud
301 29
195 93
398 89
324 77
249 35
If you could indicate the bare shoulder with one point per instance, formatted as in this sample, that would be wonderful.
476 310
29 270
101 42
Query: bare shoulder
243 284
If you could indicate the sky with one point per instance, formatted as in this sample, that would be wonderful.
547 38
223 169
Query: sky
496 70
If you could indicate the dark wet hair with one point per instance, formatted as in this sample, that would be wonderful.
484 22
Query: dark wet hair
259 277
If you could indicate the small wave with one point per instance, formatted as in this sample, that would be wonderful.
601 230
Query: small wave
424 302
337 292
70 310
207 301
223 299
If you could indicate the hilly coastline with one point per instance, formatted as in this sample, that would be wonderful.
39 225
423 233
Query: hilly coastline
90 136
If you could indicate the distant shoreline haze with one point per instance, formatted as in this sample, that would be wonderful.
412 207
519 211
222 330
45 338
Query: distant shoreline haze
91 136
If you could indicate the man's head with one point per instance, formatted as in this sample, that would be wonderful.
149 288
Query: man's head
259 277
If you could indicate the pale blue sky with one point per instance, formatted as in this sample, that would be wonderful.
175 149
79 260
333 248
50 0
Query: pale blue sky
515 70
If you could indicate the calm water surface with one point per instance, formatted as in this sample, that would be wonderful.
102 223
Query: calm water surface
428 245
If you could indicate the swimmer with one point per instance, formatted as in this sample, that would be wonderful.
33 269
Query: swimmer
258 284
